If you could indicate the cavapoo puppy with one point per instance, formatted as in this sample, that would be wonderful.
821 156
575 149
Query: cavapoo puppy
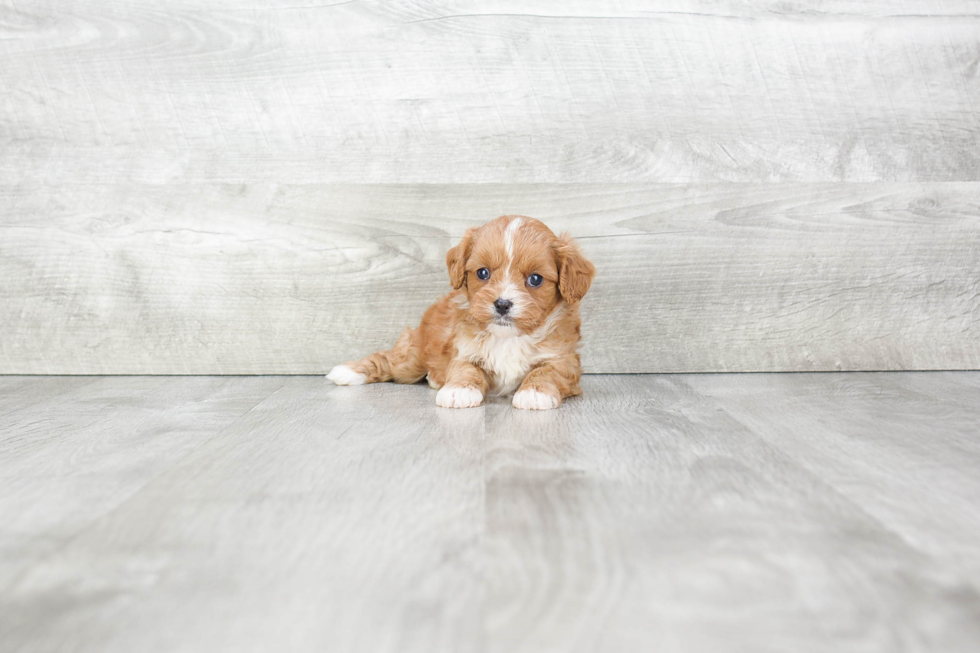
511 323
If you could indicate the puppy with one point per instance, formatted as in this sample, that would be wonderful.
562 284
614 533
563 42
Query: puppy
511 322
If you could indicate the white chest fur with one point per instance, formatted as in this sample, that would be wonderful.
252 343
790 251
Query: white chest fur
505 358
506 355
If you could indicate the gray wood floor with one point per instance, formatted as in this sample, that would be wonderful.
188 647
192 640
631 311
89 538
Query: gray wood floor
765 512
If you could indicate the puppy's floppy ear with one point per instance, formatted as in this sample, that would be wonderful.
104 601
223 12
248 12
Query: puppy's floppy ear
456 259
575 272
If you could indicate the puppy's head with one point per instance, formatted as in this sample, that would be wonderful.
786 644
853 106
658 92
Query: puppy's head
516 272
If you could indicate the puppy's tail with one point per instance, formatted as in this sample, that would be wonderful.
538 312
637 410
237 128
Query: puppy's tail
403 363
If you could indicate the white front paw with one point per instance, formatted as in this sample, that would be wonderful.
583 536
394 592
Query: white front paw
456 397
343 375
534 400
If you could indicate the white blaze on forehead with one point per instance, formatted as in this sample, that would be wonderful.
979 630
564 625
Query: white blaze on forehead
509 291
512 228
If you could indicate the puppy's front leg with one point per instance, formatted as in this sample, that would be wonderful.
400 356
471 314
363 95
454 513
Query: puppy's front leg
546 385
465 386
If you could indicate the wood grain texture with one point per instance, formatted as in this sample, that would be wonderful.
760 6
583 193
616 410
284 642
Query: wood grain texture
509 91
670 513
891 460
257 279
657 520
293 525
183 183
19 392
64 470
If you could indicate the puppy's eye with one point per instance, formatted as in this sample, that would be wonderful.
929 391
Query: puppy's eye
535 280
483 274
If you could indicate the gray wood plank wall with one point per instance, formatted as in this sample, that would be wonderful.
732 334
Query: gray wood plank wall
229 188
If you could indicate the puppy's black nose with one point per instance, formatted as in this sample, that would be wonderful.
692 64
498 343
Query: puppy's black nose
503 305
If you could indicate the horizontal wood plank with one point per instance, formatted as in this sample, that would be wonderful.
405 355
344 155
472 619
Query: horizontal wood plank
291 279
503 92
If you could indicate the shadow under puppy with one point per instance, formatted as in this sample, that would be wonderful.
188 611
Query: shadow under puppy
512 322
